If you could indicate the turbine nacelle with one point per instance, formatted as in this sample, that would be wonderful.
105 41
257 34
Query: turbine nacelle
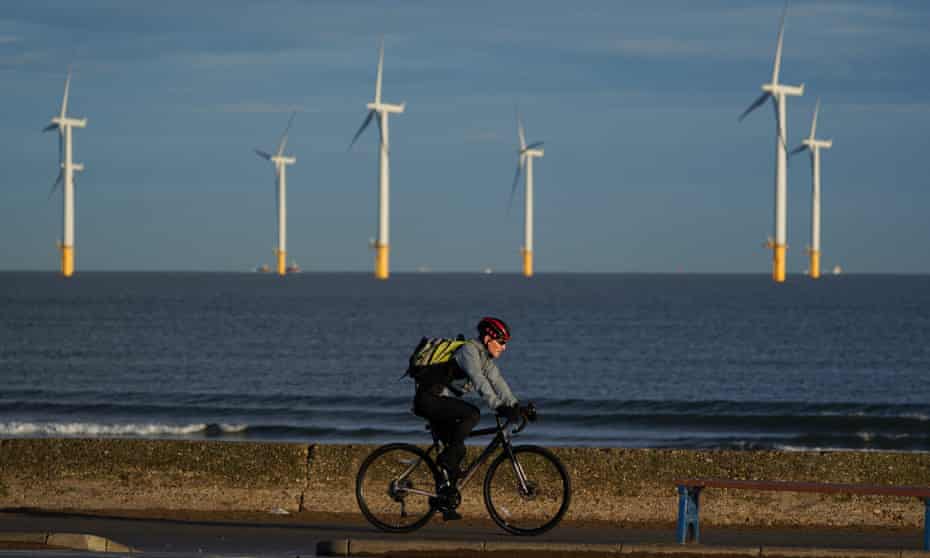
817 144
60 123
811 142
776 89
282 160
386 108
533 152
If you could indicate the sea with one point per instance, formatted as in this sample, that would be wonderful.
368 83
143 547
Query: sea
610 360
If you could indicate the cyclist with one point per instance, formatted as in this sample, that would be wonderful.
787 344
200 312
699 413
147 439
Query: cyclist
473 369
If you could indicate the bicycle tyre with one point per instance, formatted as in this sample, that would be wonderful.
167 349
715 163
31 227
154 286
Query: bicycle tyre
544 507
377 493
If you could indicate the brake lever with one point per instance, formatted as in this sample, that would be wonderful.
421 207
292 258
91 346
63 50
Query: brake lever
523 422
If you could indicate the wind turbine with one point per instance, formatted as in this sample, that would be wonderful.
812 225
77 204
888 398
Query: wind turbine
778 93
281 162
525 158
381 110
63 123
814 145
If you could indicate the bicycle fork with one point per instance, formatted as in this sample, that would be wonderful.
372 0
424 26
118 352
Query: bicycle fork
518 472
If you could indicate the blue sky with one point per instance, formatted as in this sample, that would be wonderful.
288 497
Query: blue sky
646 167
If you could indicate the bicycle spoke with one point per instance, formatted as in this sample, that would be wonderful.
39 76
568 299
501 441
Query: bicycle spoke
394 488
528 496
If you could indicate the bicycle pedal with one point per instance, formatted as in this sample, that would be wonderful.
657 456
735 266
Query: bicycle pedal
451 515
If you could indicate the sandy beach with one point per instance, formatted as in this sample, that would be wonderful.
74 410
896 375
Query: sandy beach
621 486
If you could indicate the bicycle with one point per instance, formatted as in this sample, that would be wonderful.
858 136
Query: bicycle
399 486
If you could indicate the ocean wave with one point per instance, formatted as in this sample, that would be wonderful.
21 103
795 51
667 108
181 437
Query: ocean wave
84 429
372 419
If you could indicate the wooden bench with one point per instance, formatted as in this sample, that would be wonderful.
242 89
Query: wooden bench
689 491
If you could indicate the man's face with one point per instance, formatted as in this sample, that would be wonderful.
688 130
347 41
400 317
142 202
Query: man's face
495 347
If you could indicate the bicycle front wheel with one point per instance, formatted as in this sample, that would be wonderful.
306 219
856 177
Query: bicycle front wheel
396 486
529 494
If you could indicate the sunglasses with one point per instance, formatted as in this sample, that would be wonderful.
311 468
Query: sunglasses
500 342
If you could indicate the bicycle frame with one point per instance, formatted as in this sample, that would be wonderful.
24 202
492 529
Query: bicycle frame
502 438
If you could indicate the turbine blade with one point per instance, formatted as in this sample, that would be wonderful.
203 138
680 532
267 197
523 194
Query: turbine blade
778 47
49 128
263 154
781 138
277 194
520 132
797 150
58 181
380 72
380 130
516 180
283 143
361 129
755 104
814 123
535 145
64 100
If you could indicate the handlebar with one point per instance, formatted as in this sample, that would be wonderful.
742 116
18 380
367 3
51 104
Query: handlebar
527 415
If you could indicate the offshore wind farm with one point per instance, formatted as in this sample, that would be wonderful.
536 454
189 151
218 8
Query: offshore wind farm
379 111
65 125
778 93
280 162
622 190
814 145
525 155
645 313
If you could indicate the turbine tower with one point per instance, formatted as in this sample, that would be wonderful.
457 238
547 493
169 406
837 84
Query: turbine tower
381 110
814 145
64 124
525 157
779 94
281 162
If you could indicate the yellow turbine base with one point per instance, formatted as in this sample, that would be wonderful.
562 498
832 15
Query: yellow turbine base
527 263
381 261
778 263
67 261
815 264
282 258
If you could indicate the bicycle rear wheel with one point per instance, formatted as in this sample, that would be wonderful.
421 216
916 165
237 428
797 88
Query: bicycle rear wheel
394 488
529 494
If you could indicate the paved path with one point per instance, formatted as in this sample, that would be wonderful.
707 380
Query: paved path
291 536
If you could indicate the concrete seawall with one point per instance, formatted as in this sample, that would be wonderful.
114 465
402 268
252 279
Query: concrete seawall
619 485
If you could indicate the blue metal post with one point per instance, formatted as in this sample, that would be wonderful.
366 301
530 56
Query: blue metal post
689 529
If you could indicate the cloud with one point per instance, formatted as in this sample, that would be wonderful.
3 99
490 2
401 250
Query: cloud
296 57
257 108
24 58
893 108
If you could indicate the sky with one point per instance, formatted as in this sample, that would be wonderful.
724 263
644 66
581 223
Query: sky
646 167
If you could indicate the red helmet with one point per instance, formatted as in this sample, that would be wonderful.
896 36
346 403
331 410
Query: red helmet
494 327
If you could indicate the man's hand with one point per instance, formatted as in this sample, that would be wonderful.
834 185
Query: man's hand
509 412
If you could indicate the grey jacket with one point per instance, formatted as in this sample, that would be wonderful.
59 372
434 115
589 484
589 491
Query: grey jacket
483 375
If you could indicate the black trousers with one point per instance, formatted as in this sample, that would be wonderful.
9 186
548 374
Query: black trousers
451 418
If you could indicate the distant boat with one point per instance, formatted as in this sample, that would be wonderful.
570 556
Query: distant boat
837 270
487 271
293 268
263 269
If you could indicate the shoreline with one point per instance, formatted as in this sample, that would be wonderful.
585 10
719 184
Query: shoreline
615 485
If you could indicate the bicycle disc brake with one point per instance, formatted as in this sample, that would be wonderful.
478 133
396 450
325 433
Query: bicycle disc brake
530 492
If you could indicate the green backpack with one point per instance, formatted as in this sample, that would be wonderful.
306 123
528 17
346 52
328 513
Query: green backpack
431 363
